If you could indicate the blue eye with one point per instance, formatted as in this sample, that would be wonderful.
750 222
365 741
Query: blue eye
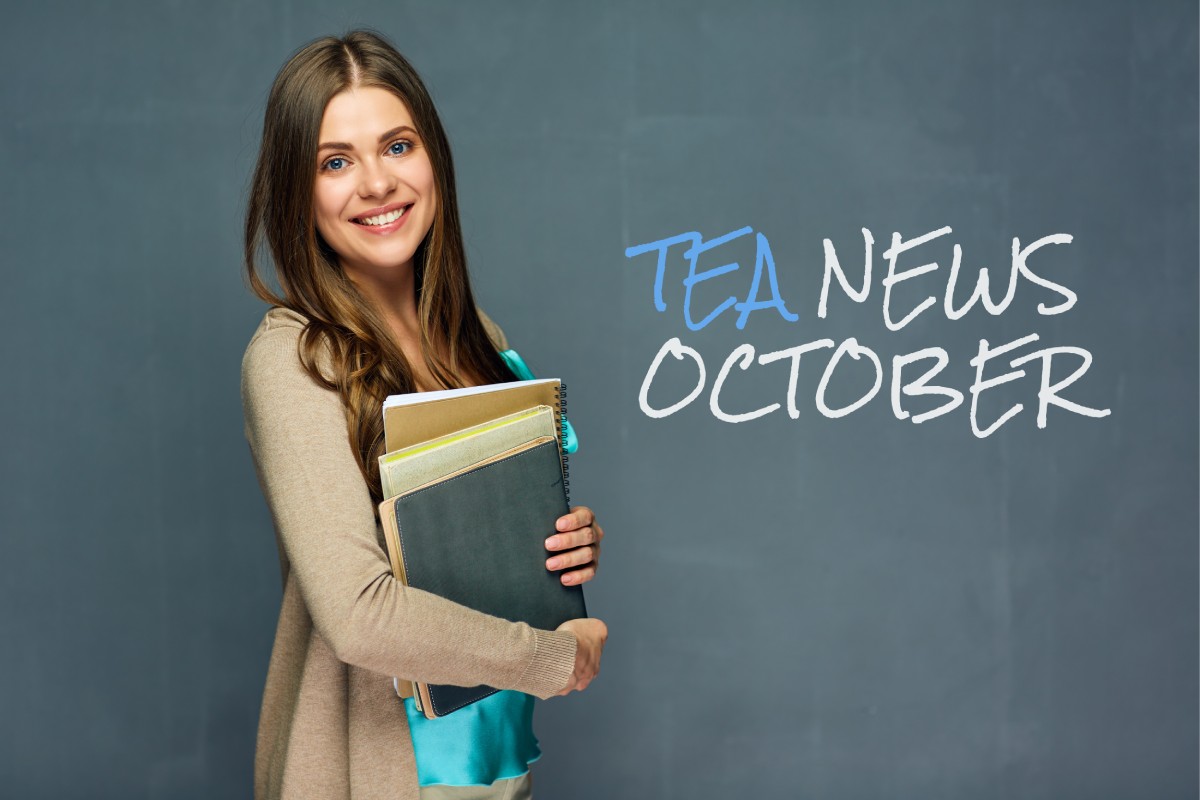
329 165
401 143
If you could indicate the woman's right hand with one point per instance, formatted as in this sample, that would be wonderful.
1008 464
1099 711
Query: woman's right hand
590 635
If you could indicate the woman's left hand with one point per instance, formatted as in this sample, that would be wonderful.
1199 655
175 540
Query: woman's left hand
578 546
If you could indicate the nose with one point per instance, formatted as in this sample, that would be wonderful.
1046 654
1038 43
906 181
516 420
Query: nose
376 179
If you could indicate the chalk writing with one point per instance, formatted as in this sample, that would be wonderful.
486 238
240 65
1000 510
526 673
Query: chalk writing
760 298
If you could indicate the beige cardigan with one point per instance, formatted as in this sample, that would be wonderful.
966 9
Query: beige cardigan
331 726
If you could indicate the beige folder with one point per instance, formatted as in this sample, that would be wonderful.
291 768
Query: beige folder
403 469
412 419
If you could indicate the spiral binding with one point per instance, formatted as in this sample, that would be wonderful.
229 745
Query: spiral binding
560 396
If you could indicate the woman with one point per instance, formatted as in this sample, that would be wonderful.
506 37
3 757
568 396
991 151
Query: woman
354 194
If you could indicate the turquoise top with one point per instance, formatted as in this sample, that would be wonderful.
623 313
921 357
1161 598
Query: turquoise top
479 744
491 739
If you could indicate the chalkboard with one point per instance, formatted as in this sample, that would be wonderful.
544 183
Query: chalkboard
895 535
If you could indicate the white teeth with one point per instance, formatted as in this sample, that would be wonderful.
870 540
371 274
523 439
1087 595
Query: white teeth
384 219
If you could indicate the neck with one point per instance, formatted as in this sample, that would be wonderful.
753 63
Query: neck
394 295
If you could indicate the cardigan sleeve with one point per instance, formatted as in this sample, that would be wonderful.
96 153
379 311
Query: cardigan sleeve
493 330
326 529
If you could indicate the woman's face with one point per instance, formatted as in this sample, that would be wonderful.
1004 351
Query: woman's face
374 198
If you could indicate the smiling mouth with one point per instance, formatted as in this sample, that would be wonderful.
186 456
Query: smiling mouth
382 219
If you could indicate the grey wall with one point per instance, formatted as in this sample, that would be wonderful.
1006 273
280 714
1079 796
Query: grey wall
856 607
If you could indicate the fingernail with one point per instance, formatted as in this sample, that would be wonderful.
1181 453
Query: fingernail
561 525
551 542
553 563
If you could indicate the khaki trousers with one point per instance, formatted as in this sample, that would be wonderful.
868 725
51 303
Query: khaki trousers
518 788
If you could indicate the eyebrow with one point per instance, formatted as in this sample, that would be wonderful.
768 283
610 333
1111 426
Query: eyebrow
382 138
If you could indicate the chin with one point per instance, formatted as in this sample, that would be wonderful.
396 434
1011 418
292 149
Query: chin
384 264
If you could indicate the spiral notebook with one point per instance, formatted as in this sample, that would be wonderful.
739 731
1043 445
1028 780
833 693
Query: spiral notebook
477 537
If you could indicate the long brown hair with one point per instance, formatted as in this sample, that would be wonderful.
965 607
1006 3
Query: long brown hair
365 362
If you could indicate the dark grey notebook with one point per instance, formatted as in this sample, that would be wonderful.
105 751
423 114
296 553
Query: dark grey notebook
479 539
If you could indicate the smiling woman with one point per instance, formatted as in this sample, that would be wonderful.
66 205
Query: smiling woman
354 194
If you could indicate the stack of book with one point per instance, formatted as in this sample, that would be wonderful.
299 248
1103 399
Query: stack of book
475 480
